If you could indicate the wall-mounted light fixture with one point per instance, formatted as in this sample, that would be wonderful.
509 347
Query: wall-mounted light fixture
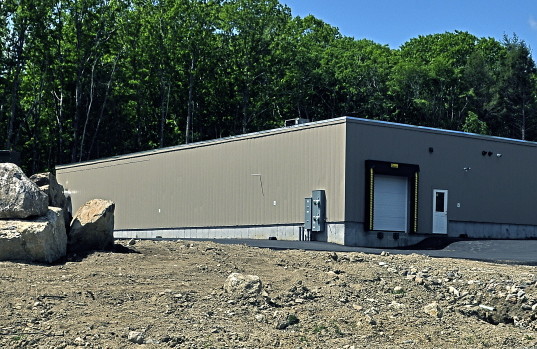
466 169
499 155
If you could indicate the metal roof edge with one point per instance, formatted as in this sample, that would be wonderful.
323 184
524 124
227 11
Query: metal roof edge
210 142
440 131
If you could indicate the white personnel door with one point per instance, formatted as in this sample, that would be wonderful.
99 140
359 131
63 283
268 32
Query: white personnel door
390 203
440 205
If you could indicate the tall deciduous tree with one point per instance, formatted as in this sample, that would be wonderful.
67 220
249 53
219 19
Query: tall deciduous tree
251 30
83 79
517 89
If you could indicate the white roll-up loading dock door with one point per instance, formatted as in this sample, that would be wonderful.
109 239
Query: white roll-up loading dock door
390 203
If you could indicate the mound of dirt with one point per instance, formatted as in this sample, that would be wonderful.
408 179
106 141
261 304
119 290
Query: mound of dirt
171 295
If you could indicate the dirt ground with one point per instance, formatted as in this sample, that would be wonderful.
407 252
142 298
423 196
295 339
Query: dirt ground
157 294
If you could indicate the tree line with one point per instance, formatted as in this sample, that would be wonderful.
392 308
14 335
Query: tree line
85 79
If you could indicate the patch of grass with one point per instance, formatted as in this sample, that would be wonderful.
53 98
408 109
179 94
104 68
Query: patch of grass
319 328
529 338
470 340
337 330
292 319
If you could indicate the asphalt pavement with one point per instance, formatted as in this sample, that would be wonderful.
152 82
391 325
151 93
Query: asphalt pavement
496 251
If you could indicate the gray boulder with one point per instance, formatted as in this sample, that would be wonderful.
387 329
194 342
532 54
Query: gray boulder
47 182
42 239
92 227
19 196
56 195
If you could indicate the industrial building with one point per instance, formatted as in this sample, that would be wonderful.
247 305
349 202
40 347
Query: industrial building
349 181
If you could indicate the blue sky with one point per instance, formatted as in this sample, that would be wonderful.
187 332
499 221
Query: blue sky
393 22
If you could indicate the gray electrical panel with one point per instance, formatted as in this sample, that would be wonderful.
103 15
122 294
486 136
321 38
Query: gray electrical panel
318 209
307 211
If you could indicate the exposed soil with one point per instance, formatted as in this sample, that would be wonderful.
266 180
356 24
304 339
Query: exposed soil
172 294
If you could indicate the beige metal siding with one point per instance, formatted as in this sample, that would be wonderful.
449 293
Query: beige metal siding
216 183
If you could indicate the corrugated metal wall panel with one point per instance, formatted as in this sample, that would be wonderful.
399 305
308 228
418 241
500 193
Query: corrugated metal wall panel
217 184
497 189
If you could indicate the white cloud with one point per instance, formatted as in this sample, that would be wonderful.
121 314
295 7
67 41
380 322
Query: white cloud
533 23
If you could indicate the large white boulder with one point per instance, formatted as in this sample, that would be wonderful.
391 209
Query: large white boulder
92 227
19 196
41 239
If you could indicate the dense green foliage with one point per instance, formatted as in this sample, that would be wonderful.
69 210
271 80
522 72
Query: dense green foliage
84 79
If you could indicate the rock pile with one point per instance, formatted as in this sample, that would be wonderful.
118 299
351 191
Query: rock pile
35 219
29 230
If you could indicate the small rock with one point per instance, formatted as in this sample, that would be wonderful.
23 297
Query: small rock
370 320
511 298
486 307
454 291
525 307
384 253
136 337
333 256
132 242
332 274
356 259
359 307
398 289
396 305
433 310
419 280
259 317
